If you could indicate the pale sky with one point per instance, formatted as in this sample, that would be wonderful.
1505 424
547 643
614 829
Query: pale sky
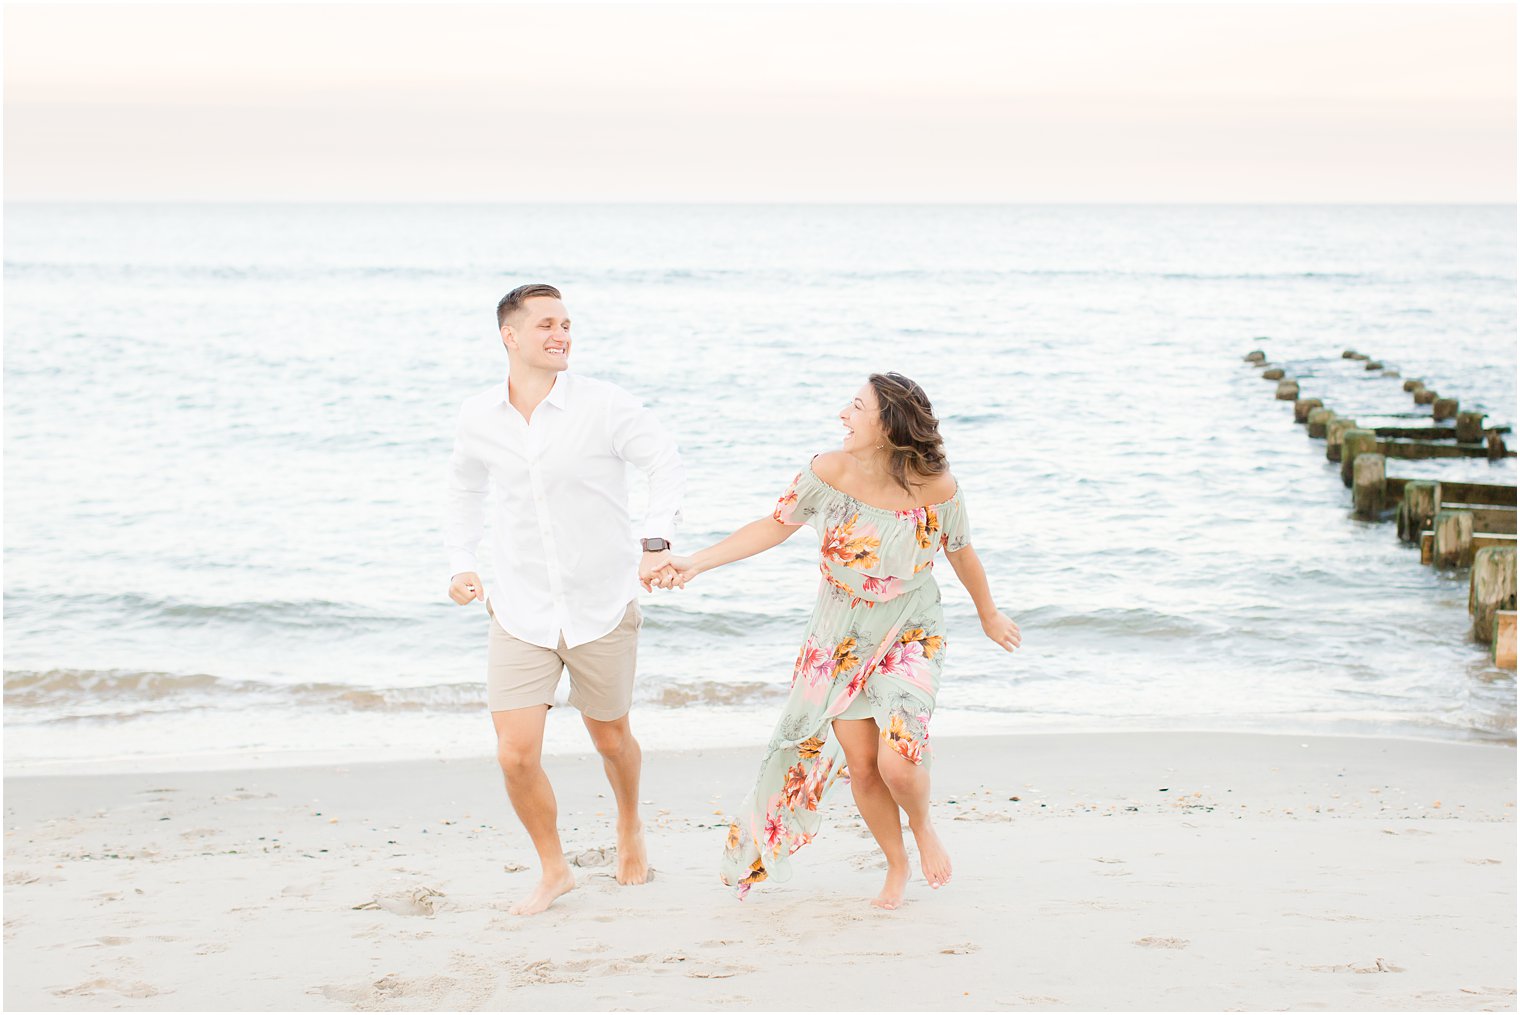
777 102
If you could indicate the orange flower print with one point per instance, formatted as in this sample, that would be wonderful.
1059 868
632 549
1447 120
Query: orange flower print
925 524
896 734
733 835
844 545
810 748
756 873
788 501
794 790
845 658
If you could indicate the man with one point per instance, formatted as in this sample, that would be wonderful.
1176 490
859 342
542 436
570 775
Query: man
552 446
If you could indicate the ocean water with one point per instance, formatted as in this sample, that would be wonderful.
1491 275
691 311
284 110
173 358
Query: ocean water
226 428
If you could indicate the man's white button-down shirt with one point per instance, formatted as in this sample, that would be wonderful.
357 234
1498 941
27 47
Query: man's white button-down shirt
565 557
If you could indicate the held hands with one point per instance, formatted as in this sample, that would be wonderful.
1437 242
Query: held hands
466 588
656 572
1001 630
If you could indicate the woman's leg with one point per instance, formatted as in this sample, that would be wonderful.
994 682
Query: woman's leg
909 785
859 738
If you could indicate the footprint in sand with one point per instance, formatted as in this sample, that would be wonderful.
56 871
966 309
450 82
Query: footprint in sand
962 949
92 987
417 901
1163 942
1378 965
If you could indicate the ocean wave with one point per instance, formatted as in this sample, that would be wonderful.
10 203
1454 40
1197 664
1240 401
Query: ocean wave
70 695
137 607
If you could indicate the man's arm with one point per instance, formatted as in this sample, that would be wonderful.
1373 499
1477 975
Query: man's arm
638 437
464 517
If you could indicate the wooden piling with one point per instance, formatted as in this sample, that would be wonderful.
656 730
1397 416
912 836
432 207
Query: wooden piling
1301 408
1349 354
1256 356
1318 419
1490 588
1355 442
1425 396
1373 364
1504 639
1273 374
1334 431
1444 408
1469 427
1418 508
1369 478
1452 545
1412 383
1287 391
1496 448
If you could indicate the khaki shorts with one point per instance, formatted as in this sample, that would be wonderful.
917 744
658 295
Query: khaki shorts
520 674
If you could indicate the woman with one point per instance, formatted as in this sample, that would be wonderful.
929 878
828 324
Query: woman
869 667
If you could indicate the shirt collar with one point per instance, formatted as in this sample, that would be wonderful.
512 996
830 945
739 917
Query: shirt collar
558 396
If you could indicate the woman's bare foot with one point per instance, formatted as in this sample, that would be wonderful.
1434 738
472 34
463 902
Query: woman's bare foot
933 860
553 885
892 890
632 860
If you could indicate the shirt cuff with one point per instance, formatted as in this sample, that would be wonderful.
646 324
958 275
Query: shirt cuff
459 563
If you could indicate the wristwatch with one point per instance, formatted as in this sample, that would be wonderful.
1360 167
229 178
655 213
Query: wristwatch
655 545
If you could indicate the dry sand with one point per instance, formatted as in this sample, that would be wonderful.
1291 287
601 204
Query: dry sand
1149 871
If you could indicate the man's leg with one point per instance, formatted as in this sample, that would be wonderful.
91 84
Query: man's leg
622 759
601 687
519 749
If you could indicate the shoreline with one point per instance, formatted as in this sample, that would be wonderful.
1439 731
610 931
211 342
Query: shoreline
961 725
1134 870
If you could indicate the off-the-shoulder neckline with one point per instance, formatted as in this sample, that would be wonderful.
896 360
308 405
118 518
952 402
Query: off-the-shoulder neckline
891 511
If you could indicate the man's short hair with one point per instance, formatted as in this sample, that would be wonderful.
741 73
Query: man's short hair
512 302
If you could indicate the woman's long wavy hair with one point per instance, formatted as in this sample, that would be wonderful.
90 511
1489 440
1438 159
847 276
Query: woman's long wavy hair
915 450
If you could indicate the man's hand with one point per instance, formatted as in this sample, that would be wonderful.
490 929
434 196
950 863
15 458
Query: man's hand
466 588
655 572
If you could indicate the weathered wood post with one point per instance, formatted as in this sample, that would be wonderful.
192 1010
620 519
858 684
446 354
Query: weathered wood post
1496 448
1370 482
1444 408
1256 356
1453 539
1334 431
1373 364
1318 420
1287 391
1272 374
1418 508
1301 409
1348 354
1425 396
1412 383
1490 588
1469 427
1504 639
1355 442
1414 392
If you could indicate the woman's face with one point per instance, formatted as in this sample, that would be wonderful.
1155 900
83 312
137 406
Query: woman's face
863 431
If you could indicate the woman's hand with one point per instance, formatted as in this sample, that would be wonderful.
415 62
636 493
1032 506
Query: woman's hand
686 569
1001 630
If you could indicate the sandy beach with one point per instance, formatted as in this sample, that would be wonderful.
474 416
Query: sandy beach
1151 871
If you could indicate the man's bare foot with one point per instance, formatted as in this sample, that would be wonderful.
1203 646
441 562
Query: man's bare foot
553 885
632 859
892 890
933 860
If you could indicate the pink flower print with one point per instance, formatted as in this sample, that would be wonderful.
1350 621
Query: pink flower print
886 588
815 665
775 829
906 660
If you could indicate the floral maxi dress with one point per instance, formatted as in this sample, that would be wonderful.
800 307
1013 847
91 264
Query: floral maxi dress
874 648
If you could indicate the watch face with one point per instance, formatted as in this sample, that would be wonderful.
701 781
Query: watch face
656 545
